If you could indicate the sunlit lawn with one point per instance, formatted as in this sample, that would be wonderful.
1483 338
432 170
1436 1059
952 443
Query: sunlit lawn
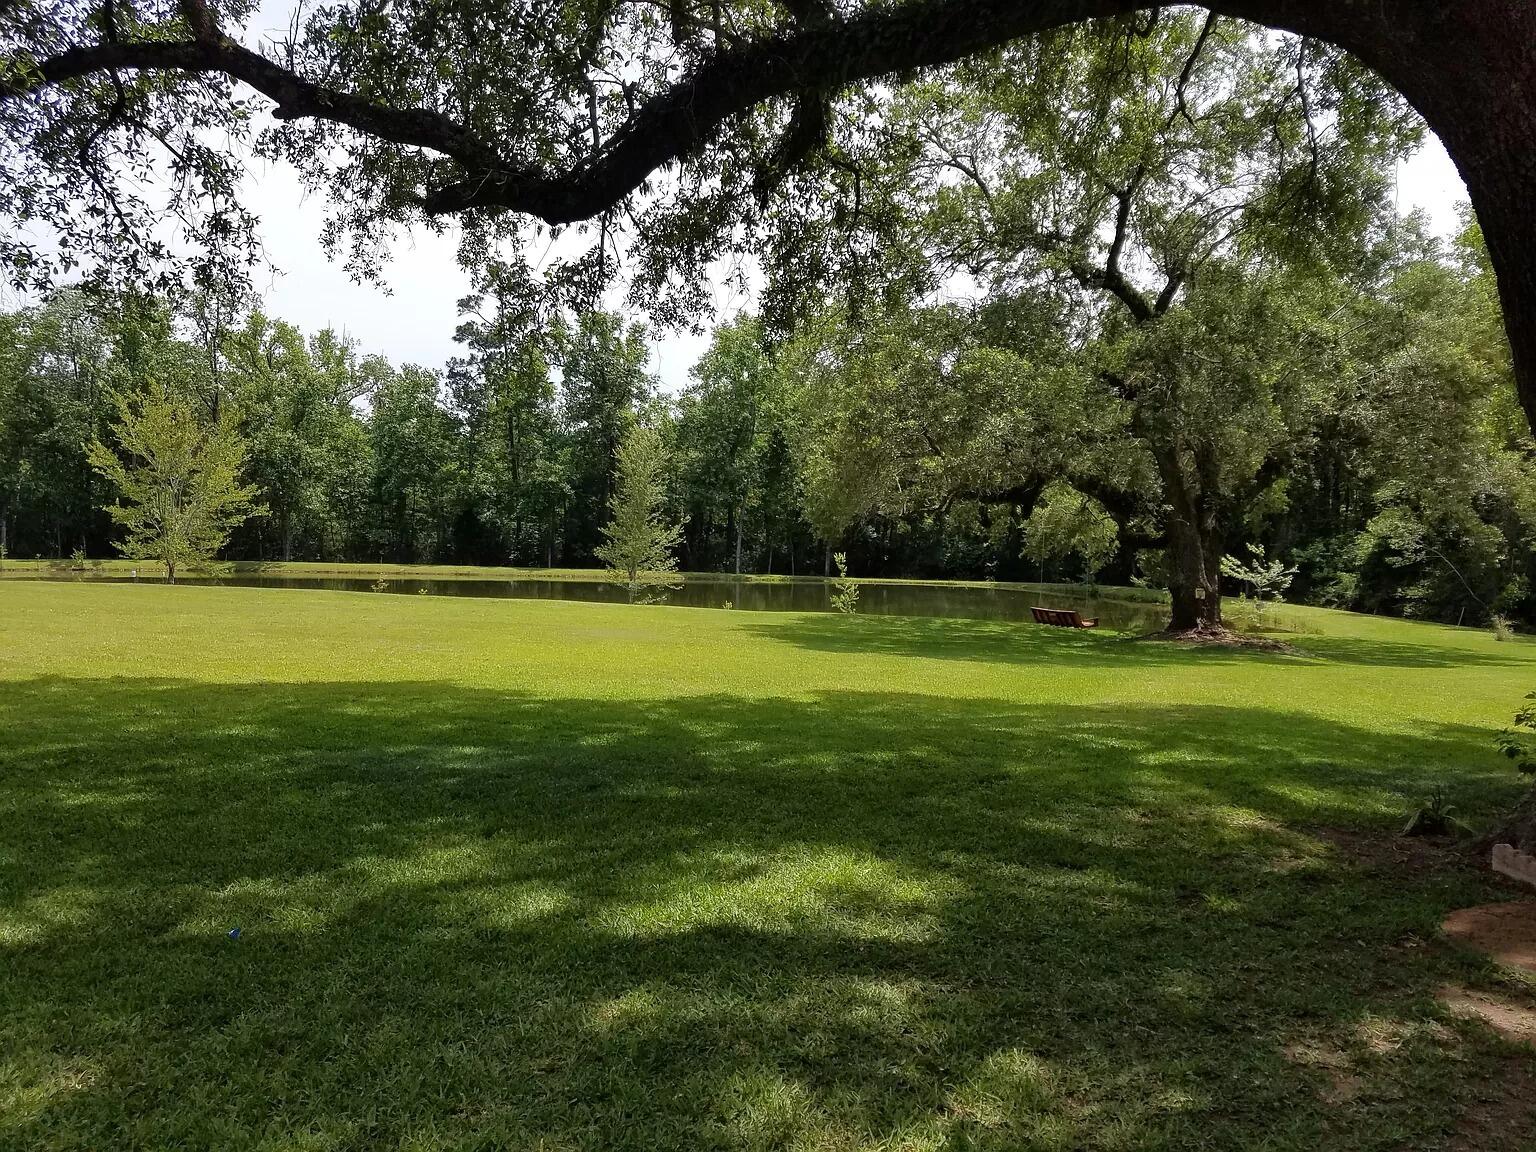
528 874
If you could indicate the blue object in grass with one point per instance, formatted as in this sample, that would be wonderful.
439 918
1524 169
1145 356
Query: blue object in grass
234 933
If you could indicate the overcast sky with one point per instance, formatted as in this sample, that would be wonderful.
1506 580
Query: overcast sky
413 322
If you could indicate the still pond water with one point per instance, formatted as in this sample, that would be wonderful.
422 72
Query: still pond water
976 602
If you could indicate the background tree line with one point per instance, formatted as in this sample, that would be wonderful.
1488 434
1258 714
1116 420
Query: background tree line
506 457
1182 323
964 441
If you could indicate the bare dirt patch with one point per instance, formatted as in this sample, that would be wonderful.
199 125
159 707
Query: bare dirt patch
1342 1083
1504 1114
1376 851
1508 1017
1506 932
1221 638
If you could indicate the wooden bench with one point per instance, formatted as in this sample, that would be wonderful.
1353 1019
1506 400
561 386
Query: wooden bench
1062 618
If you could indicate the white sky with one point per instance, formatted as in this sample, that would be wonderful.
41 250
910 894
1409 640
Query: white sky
414 321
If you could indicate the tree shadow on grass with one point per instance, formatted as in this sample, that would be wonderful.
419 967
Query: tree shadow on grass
474 918
1007 642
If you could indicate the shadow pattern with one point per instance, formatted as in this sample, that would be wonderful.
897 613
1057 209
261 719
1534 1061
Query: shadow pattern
479 919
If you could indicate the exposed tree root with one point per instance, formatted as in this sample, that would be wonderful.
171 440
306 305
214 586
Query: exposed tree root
1216 636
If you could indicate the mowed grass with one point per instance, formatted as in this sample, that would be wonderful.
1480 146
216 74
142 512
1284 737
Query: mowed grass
542 875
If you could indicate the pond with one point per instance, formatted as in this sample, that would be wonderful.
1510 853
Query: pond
972 601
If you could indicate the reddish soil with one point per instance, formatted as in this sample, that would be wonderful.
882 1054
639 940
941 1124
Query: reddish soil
1506 932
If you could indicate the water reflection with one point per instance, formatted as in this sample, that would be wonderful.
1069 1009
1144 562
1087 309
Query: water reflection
977 601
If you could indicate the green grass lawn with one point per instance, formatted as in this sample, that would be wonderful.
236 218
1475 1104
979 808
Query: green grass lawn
529 874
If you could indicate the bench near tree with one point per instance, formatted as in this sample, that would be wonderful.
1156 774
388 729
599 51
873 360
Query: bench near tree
1062 618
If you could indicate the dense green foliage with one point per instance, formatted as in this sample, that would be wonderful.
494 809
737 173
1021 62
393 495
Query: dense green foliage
1179 294
178 481
515 871
951 441
1178 323
354 458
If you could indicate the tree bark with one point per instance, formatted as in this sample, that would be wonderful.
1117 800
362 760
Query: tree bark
1193 585
1496 156
1194 539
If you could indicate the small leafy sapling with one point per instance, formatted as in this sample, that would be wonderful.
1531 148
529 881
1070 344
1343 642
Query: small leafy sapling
639 539
177 479
845 591
1268 579
1503 627
1518 741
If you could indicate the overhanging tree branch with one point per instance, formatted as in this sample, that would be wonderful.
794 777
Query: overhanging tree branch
826 54
295 97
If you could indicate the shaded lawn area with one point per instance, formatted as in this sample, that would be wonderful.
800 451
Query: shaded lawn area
542 875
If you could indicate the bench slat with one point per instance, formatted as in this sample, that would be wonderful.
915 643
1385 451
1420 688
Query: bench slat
1061 618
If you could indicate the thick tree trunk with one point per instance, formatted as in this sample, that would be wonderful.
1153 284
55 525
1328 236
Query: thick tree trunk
1190 480
1194 582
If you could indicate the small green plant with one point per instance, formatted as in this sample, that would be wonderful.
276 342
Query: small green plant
1503 627
728 604
1267 578
845 592
1518 741
380 585
77 558
1432 818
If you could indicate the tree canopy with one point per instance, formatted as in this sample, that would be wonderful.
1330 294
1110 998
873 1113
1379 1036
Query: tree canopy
684 125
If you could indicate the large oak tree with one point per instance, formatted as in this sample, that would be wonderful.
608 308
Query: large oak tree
654 115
